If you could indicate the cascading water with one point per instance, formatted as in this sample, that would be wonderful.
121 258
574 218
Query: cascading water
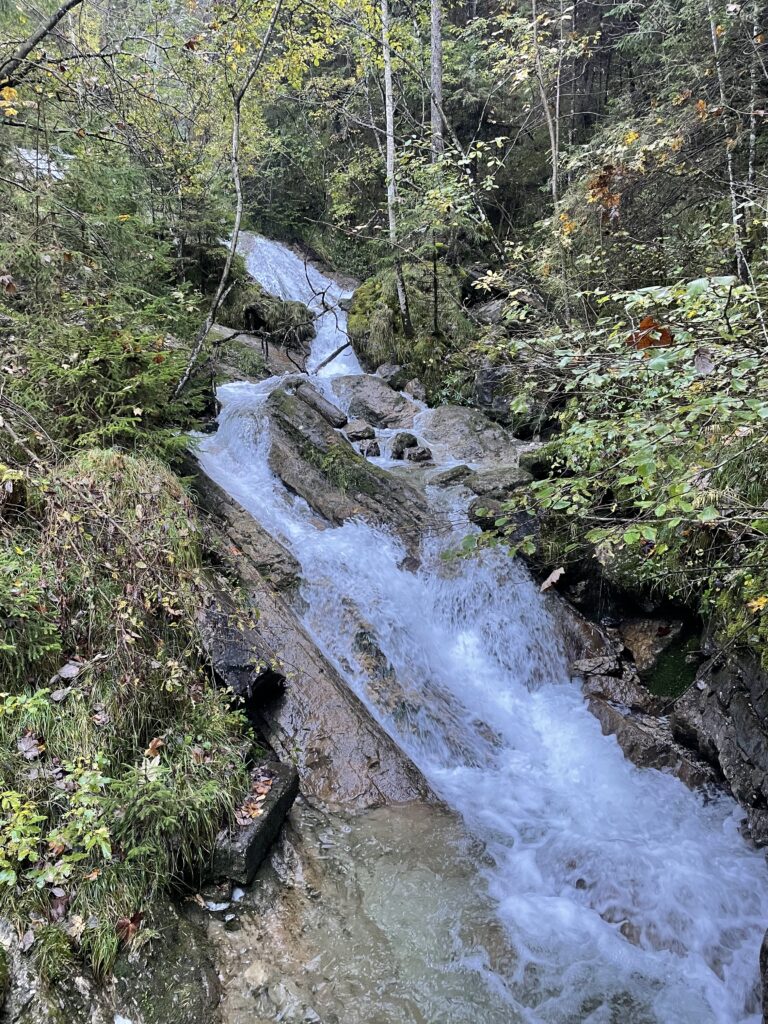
625 897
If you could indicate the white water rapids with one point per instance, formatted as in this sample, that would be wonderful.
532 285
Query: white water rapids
625 897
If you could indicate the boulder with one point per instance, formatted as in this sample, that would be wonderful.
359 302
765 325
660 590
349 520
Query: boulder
498 482
484 512
449 477
469 435
396 376
330 413
240 849
418 454
490 312
400 443
359 430
370 449
416 390
372 399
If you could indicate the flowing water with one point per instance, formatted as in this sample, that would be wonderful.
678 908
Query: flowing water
619 895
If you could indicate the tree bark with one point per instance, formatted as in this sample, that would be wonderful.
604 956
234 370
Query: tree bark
389 111
9 70
438 142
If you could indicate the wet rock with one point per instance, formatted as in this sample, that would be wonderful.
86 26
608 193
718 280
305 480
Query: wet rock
449 477
418 454
764 976
173 981
625 689
237 654
396 376
311 718
241 848
724 716
468 434
359 430
330 413
254 547
498 482
401 442
646 639
484 512
370 449
496 387
372 399
648 742
323 468
416 390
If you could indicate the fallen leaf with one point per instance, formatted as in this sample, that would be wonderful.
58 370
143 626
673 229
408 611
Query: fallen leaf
154 747
127 927
552 579
30 746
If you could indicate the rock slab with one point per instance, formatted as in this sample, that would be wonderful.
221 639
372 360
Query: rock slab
239 852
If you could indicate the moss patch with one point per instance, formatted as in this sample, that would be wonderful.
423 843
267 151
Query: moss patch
376 329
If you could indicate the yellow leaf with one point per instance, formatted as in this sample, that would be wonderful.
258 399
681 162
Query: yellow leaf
630 137
758 604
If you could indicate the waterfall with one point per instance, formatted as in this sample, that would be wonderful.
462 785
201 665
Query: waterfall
626 897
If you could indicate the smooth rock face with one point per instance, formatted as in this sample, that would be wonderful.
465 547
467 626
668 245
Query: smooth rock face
240 850
322 467
468 435
359 430
252 546
724 715
498 482
373 400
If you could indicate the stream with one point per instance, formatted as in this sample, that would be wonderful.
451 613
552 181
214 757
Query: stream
563 884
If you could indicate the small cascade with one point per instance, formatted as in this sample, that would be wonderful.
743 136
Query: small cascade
625 897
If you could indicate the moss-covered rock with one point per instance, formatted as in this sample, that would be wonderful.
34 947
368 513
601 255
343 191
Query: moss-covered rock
289 324
377 332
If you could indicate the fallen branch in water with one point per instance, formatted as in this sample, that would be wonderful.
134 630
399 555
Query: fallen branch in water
331 357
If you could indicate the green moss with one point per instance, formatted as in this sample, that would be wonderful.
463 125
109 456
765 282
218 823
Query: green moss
675 670
376 329
251 308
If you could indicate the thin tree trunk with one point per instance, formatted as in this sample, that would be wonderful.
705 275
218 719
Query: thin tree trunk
742 269
389 110
553 130
224 287
436 65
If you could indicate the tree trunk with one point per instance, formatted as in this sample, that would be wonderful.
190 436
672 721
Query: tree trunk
438 142
389 110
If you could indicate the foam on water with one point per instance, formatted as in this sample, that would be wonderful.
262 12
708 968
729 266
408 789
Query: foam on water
626 897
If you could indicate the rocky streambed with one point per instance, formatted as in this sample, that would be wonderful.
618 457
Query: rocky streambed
469 842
